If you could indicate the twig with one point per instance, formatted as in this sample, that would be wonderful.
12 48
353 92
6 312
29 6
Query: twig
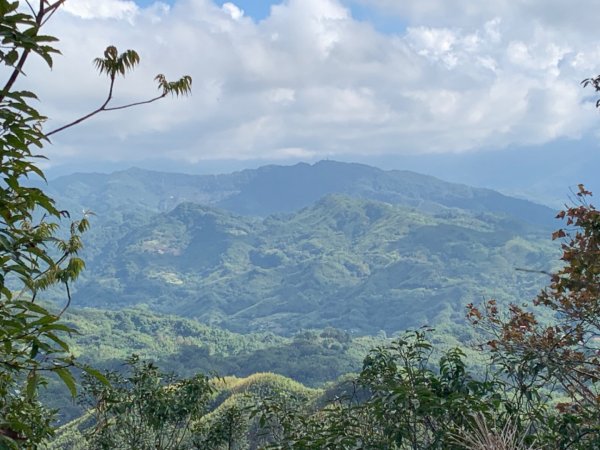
541 272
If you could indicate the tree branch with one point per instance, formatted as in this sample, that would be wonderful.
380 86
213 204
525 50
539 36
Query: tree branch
30 7
51 10
115 108
105 107
114 64
87 116
68 300
40 20
15 74
541 272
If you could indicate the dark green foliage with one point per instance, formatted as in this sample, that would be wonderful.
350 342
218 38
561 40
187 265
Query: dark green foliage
145 409
399 401
150 409
226 429
187 347
402 400
32 256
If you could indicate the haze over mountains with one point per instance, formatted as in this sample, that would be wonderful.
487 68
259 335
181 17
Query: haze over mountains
306 246
276 189
544 174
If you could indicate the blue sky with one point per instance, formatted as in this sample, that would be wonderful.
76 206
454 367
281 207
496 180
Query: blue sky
381 81
260 9
257 9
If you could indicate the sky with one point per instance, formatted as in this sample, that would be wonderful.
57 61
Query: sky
468 90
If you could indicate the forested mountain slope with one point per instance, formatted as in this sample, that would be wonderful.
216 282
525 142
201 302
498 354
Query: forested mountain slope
354 264
185 346
105 339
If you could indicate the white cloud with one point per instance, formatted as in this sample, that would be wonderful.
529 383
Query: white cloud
492 29
435 43
312 81
282 95
233 10
105 9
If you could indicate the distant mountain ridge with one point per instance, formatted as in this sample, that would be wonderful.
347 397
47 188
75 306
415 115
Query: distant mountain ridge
283 189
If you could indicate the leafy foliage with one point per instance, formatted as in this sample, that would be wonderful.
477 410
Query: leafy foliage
34 255
186 347
183 86
114 64
221 419
398 401
562 354
145 410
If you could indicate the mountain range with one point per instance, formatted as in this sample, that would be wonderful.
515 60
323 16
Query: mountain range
276 189
283 249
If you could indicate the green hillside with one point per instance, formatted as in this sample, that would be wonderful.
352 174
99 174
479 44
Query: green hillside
230 392
353 264
184 346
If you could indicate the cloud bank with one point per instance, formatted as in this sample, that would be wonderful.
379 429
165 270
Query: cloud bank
312 81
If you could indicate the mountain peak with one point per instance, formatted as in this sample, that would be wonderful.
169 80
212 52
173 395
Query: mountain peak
283 189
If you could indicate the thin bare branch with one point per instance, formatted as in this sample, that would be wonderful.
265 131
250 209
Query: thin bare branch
114 108
541 272
62 311
30 7
51 10
87 116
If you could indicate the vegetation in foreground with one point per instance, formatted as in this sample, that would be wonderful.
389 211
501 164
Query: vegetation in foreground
34 254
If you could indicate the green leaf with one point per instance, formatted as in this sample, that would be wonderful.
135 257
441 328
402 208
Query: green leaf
33 381
67 378
96 374
57 327
34 307
7 444
11 57
59 341
34 350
